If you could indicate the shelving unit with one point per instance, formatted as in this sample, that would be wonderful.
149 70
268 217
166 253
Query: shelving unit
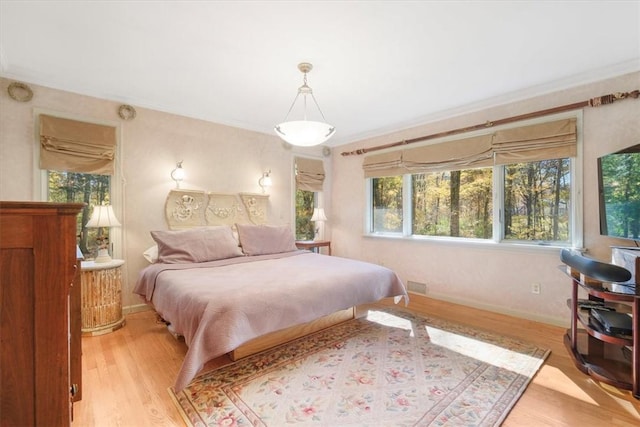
611 358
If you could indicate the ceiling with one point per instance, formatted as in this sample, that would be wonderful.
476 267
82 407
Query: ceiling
379 66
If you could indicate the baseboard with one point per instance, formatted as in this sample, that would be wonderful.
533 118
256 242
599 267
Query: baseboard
496 309
129 309
419 299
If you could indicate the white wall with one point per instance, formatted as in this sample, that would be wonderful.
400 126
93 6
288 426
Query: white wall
496 278
216 158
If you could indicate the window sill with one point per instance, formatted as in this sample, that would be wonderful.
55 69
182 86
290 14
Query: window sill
476 243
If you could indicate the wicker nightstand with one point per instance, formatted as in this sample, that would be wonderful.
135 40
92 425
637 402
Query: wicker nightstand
102 297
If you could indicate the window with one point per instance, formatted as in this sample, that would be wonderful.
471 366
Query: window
536 203
453 203
309 175
537 200
78 164
91 189
305 200
428 194
387 204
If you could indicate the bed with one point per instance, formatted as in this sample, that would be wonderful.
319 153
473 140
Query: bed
239 287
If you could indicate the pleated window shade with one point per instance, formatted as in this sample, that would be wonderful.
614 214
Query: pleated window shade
385 164
309 174
543 141
74 146
453 155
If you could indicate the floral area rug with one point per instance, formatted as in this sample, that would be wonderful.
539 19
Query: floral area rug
389 369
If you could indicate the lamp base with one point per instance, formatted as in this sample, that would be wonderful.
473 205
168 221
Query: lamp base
103 256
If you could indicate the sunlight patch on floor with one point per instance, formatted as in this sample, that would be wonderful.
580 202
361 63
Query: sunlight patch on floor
481 350
554 379
621 397
467 346
387 319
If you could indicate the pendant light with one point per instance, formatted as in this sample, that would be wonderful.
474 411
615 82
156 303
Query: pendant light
305 133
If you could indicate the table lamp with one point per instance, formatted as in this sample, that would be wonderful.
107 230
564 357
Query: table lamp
103 217
318 216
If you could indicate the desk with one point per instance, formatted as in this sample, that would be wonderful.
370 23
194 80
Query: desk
314 245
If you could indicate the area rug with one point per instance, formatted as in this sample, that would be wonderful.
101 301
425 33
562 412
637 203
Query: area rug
388 369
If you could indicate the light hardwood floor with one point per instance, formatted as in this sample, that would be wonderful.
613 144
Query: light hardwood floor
126 375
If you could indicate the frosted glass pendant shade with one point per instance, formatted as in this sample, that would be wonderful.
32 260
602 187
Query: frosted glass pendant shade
305 133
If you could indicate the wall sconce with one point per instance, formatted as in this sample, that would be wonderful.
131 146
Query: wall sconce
103 217
178 174
265 181
318 216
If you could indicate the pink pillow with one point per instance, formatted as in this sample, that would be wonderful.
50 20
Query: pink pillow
196 245
265 239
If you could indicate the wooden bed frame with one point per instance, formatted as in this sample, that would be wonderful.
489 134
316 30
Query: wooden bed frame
273 339
190 208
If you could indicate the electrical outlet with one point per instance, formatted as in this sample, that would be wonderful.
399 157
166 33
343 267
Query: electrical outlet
535 288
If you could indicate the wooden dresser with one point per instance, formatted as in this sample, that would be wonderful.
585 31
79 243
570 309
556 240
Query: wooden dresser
37 269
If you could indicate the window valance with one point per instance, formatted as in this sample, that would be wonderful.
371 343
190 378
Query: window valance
549 140
74 146
309 174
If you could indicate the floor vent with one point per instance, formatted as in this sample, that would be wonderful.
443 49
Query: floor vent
416 287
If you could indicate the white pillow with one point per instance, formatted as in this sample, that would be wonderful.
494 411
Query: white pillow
151 254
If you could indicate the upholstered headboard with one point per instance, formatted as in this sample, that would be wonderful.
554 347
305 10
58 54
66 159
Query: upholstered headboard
192 208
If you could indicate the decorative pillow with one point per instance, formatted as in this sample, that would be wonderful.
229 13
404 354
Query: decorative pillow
265 239
196 245
151 254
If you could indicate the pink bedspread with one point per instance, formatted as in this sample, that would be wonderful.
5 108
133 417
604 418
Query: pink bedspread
220 305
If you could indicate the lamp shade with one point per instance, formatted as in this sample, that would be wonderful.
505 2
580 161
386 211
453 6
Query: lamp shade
305 133
103 216
318 215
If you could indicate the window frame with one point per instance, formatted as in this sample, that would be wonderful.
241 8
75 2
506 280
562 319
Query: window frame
116 190
576 232
318 196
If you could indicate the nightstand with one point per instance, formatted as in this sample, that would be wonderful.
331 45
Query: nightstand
314 245
101 297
